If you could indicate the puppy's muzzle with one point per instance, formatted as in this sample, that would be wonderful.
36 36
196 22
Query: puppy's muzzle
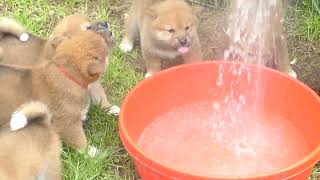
102 28
105 24
183 41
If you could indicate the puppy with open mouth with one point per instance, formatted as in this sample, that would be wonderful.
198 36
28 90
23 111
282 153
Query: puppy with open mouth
60 82
168 32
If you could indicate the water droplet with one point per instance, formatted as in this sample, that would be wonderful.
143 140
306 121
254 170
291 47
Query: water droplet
234 71
242 99
226 99
249 77
216 106
220 77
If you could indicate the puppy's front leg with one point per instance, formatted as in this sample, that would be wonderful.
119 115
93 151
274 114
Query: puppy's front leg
1 53
98 95
153 65
74 136
131 31
54 168
282 56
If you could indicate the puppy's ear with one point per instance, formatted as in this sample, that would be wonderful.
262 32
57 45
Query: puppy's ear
51 46
55 41
95 69
151 12
195 11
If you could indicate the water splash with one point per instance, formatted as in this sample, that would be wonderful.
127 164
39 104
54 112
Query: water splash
216 146
220 78
252 35
252 41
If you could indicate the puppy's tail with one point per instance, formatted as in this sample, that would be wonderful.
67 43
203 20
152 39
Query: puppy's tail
10 26
30 113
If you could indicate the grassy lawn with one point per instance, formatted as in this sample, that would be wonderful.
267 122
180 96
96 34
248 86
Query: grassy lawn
309 20
112 161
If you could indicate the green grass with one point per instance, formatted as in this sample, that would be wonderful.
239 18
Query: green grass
212 3
308 23
112 161
316 173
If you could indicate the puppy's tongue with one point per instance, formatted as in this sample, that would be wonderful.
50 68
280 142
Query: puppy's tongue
183 50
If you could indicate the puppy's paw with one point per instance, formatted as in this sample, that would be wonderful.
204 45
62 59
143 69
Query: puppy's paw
125 16
83 117
92 151
18 121
104 103
292 73
84 113
114 110
148 74
126 45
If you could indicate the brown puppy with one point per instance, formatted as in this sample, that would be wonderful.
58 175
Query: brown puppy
29 52
30 148
61 82
168 32
256 30
76 23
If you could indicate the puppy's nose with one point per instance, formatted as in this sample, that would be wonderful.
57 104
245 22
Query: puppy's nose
105 24
101 27
183 41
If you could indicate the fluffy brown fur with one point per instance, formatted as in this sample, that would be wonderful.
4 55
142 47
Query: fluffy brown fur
9 26
168 32
272 45
83 58
13 51
32 151
70 25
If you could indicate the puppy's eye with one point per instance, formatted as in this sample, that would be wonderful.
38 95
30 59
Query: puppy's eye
187 28
170 30
96 58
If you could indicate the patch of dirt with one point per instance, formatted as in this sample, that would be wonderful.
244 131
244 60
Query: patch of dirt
305 53
214 41
307 56
212 26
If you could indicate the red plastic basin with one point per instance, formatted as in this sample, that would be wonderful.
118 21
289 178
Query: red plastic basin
196 82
